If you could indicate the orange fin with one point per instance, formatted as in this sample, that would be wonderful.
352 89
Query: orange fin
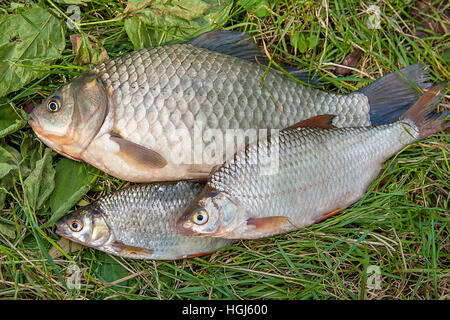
195 255
326 215
423 114
322 121
138 155
130 250
268 223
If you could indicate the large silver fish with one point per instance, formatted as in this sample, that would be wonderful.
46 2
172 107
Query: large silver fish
303 175
139 222
173 112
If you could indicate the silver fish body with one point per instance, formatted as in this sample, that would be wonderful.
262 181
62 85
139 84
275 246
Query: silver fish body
139 222
297 177
168 110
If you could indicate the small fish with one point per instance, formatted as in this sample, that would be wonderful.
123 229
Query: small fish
139 222
318 172
164 113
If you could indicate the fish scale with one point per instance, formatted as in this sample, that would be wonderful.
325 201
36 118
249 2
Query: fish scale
210 97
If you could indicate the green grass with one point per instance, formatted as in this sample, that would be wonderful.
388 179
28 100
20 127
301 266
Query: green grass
401 225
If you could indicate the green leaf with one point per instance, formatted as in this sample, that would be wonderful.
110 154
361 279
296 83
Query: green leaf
446 55
7 229
109 270
41 181
138 33
156 22
299 42
6 168
28 41
72 182
11 119
257 7
10 155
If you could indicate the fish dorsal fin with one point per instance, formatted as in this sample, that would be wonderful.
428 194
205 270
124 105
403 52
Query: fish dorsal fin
322 121
232 43
137 154
241 45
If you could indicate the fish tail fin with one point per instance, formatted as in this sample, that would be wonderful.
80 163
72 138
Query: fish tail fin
422 113
391 95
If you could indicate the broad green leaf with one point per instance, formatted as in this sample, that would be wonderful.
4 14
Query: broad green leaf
157 22
72 181
6 184
40 183
299 42
138 33
9 160
6 168
446 55
9 155
257 7
28 41
11 120
109 270
7 229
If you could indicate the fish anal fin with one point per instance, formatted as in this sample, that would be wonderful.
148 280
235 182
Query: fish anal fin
269 225
327 215
124 249
196 255
322 121
138 155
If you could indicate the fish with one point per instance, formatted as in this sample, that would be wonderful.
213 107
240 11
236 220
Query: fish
139 222
304 174
173 112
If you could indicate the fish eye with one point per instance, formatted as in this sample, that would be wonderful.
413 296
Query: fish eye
200 217
53 105
76 225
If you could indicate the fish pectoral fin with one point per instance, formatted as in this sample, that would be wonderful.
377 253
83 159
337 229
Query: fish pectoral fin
138 155
130 250
322 121
268 224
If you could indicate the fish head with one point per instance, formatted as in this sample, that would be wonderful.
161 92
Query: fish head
86 226
69 119
213 214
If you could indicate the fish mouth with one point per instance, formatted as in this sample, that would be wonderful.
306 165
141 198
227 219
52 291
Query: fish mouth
59 230
37 128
